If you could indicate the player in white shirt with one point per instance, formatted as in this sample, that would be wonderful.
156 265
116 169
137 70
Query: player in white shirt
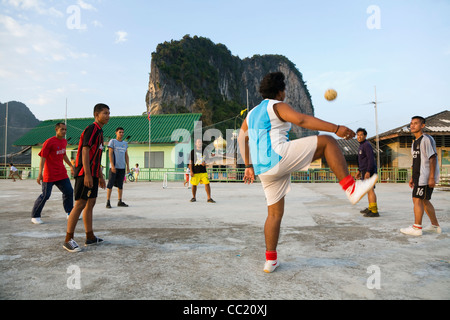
267 152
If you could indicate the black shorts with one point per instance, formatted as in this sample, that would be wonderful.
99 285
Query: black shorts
116 179
422 192
82 192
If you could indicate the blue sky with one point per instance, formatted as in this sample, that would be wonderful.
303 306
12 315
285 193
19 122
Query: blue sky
90 51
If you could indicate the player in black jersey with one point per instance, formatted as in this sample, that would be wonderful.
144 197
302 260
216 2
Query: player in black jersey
425 175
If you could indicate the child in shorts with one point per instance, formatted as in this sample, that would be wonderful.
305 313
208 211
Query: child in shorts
425 169
88 177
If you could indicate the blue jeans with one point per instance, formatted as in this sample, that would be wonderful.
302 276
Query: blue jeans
66 188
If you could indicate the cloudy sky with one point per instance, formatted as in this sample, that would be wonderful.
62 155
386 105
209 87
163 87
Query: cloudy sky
90 51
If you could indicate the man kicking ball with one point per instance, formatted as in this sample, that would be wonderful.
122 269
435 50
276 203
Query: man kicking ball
267 152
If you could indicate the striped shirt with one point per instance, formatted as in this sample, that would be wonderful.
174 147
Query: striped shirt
91 137
422 150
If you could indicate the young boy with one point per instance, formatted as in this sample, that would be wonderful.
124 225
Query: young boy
53 172
119 161
187 175
88 177
367 168
425 176
136 172
264 146
197 167
13 172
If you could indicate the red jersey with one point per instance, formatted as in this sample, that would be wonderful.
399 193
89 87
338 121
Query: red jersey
91 137
53 151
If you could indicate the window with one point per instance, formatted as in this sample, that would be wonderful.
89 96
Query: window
156 159
72 154
442 141
405 142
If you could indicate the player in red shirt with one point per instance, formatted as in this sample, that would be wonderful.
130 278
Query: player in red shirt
53 155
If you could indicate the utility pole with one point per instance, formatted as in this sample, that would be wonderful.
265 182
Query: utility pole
6 135
149 111
65 122
376 129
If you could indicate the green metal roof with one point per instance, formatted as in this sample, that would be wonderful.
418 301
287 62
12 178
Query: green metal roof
135 127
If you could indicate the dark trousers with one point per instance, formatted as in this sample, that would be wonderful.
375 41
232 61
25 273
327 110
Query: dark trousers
67 194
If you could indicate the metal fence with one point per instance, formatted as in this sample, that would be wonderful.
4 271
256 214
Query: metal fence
233 175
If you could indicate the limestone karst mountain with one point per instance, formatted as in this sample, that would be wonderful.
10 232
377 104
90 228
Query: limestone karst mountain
197 75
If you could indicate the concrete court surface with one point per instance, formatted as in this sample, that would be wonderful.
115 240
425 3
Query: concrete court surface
163 247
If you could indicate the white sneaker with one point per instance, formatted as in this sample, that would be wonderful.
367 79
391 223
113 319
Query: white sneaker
432 228
37 221
360 188
271 265
412 231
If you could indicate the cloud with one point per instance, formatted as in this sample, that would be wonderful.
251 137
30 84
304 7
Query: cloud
33 59
121 36
86 6
97 24
31 41
25 39
40 100
12 27
34 5
44 97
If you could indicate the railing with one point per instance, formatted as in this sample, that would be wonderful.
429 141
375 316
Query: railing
232 175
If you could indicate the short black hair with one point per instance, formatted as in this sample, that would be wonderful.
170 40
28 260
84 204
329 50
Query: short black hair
120 128
422 119
99 107
59 124
272 84
362 130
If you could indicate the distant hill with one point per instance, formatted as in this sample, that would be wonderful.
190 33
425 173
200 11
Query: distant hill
20 121
197 75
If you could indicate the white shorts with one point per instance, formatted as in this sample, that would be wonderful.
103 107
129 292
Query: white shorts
296 155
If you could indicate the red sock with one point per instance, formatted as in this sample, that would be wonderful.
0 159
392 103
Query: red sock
271 255
347 182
